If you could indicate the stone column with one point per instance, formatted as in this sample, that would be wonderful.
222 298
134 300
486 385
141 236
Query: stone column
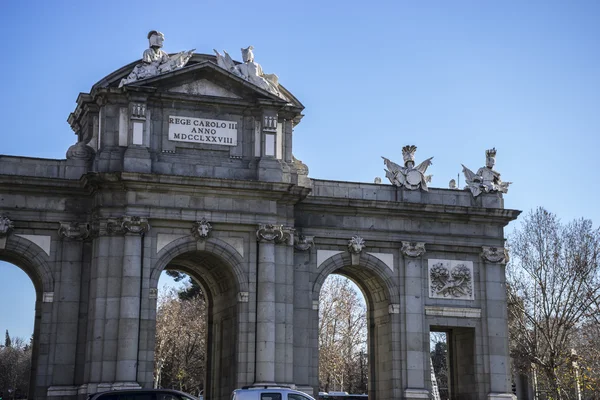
284 307
496 314
129 308
265 303
417 348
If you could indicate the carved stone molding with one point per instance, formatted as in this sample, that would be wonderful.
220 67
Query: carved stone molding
315 305
413 249
6 226
494 255
270 233
201 229
289 235
394 308
74 230
356 245
127 224
451 279
153 293
138 110
303 243
47 297
242 297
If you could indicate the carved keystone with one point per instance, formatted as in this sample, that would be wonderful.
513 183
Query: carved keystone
201 229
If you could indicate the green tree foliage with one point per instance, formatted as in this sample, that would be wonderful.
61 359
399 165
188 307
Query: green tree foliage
554 292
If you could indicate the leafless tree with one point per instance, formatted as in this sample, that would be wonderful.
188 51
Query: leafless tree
15 366
342 336
180 350
554 291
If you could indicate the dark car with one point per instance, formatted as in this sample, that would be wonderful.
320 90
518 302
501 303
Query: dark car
142 394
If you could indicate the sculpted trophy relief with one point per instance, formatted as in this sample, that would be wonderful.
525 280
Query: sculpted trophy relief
250 70
409 176
486 180
156 61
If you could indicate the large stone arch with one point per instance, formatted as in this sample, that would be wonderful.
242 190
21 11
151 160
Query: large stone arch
187 244
34 261
382 295
218 268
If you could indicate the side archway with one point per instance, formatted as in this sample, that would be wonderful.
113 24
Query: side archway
34 261
382 295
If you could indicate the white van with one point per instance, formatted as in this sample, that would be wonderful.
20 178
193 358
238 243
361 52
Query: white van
268 393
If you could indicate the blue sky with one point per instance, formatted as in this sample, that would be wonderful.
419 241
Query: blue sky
453 78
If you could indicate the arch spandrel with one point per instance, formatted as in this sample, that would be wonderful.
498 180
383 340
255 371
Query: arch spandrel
32 259
220 249
371 274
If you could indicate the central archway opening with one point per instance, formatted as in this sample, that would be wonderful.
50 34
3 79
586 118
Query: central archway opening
202 308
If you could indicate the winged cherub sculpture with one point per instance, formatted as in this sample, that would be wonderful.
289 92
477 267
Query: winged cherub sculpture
409 176
486 180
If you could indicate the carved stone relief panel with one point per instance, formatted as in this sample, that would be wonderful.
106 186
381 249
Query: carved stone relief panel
451 279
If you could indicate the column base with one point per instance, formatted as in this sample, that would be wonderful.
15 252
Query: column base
501 396
54 391
416 394
90 388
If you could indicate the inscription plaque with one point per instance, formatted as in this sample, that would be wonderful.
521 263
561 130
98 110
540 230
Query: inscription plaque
202 130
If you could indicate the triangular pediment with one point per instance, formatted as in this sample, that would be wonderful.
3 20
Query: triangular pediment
203 87
201 78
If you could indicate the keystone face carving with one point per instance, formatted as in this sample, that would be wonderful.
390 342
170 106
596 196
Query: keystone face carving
201 229
270 233
303 243
356 245
6 226
413 249
495 255
74 230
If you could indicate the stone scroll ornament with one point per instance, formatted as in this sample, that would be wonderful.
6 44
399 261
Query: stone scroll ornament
270 233
201 229
413 249
486 180
495 255
303 243
128 224
6 226
408 176
451 279
156 61
74 230
250 71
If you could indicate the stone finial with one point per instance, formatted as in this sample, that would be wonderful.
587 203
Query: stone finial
452 184
356 245
413 249
494 255
6 226
377 180
80 151
201 229
303 243
74 230
270 233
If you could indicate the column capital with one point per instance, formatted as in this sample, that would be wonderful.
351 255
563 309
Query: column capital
74 230
123 225
413 249
494 255
270 233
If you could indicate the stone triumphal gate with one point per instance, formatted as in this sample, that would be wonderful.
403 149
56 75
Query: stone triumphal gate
185 162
